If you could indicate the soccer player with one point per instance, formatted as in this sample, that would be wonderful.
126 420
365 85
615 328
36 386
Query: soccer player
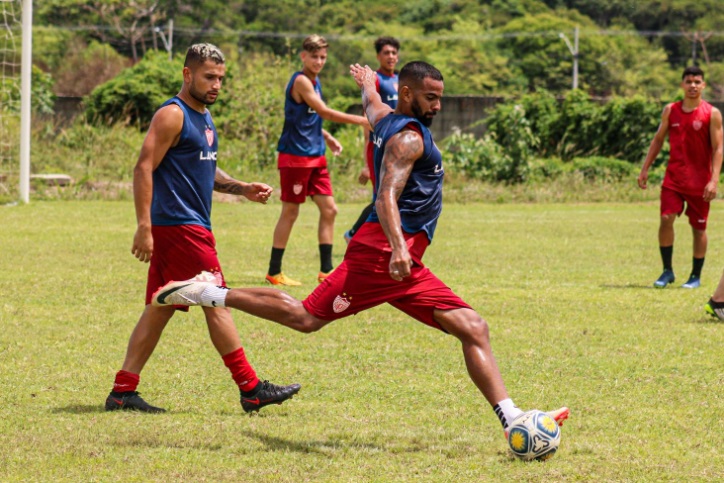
173 181
387 49
301 161
694 128
383 262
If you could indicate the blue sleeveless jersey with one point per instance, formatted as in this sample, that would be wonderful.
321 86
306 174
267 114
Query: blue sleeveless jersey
184 181
387 87
421 200
302 133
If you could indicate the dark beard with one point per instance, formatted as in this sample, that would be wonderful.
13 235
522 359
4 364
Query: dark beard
419 115
199 98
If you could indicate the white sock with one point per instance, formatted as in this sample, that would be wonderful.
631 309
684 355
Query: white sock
507 411
214 296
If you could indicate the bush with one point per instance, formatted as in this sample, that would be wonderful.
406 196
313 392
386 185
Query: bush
41 93
544 169
481 159
540 125
87 66
510 129
133 96
624 128
604 169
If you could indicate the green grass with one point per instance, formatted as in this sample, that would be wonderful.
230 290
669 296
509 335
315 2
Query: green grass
566 290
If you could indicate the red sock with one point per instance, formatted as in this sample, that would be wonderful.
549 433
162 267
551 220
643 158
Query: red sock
126 381
241 371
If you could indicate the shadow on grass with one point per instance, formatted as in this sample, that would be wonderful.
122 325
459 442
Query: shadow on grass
321 447
630 286
707 320
80 409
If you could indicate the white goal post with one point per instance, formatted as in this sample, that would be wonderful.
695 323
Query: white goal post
26 64
12 84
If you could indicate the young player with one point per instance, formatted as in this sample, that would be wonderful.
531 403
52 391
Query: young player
694 128
383 262
387 49
173 181
302 163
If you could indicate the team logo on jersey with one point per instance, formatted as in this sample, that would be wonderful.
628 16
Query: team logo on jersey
297 188
341 303
210 136
311 111
697 125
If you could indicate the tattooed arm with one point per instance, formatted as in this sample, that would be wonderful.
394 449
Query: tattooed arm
223 183
401 152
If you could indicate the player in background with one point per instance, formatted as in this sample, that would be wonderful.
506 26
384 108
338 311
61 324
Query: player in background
301 161
388 49
173 181
694 128
383 262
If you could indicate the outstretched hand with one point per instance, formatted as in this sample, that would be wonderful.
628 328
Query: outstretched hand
363 75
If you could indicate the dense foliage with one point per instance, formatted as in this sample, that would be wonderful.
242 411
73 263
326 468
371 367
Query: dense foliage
541 137
482 46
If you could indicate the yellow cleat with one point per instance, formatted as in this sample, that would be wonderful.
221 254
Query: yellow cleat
281 279
322 276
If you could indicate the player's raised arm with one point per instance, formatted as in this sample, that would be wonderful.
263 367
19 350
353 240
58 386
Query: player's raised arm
401 152
163 133
372 103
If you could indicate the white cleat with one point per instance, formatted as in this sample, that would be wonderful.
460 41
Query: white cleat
186 292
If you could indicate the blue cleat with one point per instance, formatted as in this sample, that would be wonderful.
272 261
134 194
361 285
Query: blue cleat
666 278
693 282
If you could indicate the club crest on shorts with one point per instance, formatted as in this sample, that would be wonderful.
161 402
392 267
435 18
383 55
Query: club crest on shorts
210 136
340 303
297 188
697 125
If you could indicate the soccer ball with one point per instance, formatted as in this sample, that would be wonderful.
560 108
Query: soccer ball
534 436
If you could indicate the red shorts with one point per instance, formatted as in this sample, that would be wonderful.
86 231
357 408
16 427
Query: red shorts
696 208
362 281
180 252
370 159
298 183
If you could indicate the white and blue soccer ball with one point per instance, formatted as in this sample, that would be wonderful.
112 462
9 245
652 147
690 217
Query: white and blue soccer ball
534 435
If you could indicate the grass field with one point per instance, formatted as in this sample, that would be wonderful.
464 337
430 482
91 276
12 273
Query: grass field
566 290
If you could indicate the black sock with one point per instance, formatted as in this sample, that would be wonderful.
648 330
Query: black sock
666 256
325 258
275 263
697 265
362 218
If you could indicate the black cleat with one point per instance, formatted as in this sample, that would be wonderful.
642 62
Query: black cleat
267 393
129 401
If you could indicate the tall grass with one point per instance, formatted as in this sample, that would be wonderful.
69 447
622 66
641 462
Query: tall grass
100 160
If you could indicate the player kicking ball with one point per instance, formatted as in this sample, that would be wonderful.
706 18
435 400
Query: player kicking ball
383 262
